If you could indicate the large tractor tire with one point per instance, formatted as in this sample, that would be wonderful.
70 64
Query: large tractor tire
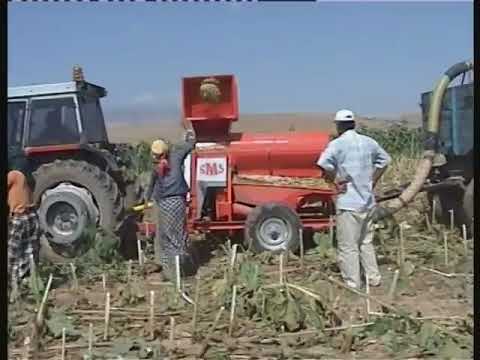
73 195
272 227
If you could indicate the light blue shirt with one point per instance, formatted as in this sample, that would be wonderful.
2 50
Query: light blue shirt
354 157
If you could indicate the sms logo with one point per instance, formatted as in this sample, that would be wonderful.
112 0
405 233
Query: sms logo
212 169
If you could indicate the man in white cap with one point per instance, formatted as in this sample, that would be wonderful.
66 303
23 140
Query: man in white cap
355 163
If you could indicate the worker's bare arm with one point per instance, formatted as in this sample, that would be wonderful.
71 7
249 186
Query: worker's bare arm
381 160
377 174
184 148
328 175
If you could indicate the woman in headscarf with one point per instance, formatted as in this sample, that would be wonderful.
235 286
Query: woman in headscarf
169 191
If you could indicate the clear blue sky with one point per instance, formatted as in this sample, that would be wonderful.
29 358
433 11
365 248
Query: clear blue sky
374 58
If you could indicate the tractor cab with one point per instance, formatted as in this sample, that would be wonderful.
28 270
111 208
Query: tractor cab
456 132
80 179
55 115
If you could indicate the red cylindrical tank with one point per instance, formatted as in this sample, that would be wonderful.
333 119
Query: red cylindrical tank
279 154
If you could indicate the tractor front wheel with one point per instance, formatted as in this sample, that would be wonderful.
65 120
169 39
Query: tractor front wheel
74 196
272 227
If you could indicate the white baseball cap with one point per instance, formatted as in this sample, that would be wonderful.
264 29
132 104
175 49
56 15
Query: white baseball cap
344 115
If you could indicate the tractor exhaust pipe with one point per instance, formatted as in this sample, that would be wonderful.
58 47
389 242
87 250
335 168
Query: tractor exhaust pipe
78 74
431 136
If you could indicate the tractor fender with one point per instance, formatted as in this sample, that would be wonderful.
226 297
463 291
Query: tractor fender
108 160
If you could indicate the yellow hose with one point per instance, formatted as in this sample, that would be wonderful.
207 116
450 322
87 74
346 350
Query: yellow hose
142 207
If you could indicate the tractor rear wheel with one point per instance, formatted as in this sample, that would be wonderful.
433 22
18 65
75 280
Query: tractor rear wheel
73 196
272 227
461 202
446 200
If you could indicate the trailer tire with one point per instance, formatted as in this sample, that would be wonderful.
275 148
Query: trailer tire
272 227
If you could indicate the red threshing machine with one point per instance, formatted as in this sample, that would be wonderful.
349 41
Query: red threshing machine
222 200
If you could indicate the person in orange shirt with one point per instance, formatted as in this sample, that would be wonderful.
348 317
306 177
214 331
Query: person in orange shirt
23 226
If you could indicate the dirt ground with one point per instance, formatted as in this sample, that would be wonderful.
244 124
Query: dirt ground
309 316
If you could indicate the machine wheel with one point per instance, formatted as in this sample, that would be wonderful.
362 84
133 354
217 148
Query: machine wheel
73 195
272 227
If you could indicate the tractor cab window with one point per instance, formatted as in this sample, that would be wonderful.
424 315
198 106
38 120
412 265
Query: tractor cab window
16 117
92 120
53 122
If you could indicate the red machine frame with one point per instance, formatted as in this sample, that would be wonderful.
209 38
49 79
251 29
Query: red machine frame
230 203
234 200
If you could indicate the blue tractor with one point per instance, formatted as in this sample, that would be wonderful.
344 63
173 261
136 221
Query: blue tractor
452 170
445 171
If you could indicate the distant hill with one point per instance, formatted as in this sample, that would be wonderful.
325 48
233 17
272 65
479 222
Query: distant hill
169 128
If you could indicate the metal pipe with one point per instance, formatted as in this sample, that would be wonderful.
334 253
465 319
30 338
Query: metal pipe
431 136
240 209
427 187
